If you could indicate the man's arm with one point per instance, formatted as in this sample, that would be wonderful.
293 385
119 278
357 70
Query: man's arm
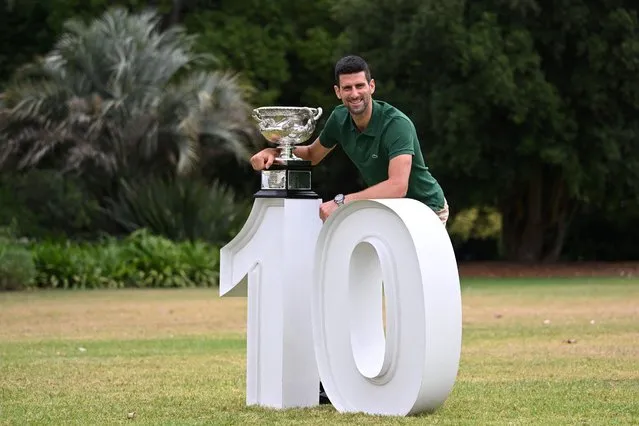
395 186
314 152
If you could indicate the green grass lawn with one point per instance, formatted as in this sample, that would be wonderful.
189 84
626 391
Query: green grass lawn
549 352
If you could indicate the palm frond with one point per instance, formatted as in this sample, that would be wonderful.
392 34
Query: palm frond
210 121
119 94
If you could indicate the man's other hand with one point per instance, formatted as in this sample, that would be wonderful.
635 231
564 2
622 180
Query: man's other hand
326 209
264 159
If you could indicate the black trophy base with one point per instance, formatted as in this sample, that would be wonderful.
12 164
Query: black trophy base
285 193
290 180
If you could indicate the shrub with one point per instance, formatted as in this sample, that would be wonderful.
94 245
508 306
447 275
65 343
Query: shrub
46 204
76 265
140 260
17 270
158 262
180 209
475 233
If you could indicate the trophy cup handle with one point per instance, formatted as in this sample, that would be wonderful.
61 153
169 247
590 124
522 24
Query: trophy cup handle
256 115
319 113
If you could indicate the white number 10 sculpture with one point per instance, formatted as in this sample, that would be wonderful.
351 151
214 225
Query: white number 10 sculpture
315 305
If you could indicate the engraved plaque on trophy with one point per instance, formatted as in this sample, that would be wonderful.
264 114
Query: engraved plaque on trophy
289 176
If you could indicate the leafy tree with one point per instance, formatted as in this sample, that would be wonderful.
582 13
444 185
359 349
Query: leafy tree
29 28
528 106
284 49
118 97
23 34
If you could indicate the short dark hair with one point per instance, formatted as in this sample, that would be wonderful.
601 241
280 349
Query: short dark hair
351 64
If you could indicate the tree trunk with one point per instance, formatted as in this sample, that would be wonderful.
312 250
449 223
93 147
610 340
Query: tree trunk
176 12
535 217
173 17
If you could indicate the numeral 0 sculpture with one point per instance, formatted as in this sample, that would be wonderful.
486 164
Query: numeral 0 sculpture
315 305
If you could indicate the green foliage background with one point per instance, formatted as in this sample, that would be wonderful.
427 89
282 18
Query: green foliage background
527 113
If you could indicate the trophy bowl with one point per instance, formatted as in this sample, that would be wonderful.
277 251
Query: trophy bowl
286 126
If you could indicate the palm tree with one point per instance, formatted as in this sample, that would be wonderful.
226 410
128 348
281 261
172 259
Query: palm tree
118 97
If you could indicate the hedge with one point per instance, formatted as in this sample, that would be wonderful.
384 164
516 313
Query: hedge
140 260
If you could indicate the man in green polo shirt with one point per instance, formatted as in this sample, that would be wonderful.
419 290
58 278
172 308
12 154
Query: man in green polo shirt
378 138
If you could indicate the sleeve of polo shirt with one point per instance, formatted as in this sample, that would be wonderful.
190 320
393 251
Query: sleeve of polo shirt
328 135
399 138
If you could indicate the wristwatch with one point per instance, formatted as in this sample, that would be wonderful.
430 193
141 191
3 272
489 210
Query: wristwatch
339 199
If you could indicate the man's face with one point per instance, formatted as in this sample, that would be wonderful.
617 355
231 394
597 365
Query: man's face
355 92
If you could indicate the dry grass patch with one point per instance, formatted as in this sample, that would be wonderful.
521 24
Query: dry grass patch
120 314
568 302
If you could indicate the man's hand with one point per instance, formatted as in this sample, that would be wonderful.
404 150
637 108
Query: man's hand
326 209
264 159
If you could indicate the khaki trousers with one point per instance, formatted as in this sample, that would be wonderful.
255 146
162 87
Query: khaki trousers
443 213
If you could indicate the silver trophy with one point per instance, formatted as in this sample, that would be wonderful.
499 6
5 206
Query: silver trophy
287 127
289 176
